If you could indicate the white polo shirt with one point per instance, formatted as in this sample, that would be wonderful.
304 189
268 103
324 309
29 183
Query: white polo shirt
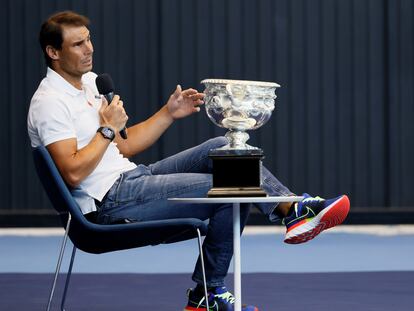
60 111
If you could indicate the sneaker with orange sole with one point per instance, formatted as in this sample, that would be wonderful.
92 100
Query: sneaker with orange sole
313 215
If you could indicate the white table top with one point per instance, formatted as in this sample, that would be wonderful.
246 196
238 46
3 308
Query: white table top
240 199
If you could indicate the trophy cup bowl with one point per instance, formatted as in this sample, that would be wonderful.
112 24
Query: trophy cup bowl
239 106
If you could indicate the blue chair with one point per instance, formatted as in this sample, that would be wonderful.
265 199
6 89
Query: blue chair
96 238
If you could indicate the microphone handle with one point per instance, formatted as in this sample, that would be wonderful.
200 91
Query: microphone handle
123 133
109 98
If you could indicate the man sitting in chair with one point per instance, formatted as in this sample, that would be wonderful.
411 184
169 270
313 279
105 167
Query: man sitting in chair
81 131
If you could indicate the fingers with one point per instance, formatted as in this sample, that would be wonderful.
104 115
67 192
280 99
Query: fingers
197 96
189 92
197 99
104 105
198 102
114 113
177 91
115 100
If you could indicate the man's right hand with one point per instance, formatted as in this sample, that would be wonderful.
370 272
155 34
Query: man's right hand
76 164
113 115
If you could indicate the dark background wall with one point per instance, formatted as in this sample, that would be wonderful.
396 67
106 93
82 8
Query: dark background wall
343 121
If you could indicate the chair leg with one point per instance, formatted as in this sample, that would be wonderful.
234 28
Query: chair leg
62 250
72 258
202 267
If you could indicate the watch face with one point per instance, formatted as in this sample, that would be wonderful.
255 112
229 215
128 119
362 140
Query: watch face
107 133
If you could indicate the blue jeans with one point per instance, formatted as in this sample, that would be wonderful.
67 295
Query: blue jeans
141 194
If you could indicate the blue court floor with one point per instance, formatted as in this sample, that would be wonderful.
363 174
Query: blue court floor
341 249
358 268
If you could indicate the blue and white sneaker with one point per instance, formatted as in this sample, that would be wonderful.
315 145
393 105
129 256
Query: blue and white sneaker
219 300
313 215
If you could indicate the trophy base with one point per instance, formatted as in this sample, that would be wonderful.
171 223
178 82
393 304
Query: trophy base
236 173
236 192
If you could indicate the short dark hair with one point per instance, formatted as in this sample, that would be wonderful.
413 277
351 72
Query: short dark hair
51 30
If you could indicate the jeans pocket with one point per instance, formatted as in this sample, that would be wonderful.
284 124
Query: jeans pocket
116 195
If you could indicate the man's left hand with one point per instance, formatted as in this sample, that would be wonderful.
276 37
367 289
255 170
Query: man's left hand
184 103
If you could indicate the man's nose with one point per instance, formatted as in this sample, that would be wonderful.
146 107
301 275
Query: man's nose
89 48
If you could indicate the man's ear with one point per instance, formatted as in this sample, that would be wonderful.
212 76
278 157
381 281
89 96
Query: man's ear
52 52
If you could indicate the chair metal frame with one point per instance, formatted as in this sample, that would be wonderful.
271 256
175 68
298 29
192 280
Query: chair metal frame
173 230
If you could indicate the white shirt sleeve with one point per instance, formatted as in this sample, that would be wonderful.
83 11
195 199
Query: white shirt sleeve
50 118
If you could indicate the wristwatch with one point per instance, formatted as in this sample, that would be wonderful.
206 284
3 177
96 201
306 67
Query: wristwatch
107 132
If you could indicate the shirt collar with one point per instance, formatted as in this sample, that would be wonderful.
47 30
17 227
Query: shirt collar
59 82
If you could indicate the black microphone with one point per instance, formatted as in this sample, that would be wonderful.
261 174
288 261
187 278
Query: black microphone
105 87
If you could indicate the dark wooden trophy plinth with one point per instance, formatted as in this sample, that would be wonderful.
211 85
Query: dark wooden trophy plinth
237 173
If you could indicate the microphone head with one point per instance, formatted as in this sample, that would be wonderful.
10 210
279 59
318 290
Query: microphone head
104 84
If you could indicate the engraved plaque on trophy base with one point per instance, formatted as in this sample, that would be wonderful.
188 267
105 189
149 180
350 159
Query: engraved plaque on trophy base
236 173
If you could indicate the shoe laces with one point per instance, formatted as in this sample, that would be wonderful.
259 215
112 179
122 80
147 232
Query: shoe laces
201 302
211 301
312 200
307 202
227 296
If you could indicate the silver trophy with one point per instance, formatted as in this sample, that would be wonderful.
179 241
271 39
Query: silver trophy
238 106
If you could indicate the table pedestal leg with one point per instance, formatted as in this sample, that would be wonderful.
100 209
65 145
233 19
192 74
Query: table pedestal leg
236 257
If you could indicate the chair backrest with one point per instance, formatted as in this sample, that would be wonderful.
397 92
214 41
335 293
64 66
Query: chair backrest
54 185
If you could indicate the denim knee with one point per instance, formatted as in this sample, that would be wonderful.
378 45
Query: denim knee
217 142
